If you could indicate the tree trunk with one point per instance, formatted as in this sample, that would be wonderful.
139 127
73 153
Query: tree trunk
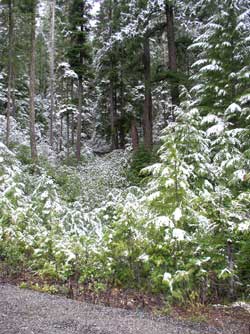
67 121
172 54
72 116
10 103
147 114
13 94
32 82
113 119
52 72
230 260
113 116
72 130
61 134
122 119
134 134
79 120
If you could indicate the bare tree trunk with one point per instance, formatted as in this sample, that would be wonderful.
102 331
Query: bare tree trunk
79 120
122 119
13 94
67 120
172 53
72 116
134 134
113 116
147 114
72 129
113 119
32 85
231 292
61 134
10 103
52 72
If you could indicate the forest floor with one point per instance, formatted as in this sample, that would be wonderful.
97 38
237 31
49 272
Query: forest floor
24 311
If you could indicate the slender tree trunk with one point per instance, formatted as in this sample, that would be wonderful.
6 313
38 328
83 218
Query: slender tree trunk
147 114
122 119
61 134
10 103
134 134
32 85
79 119
80 97
13 94
230 260
116 139
52 72
72 129
113 118
67 120
72 116
172 53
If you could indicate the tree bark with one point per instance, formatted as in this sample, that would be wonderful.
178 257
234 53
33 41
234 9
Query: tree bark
52 73
80 96
122 118
147 114
79 119
32 82
61 133
67 121
134 134
10 93
113 118
72 116
72 129
172 54
230 260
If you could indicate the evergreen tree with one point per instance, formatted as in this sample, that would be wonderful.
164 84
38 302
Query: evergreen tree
32 7
10 69
223 61
79 55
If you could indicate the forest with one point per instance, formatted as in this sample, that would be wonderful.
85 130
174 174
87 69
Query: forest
125 147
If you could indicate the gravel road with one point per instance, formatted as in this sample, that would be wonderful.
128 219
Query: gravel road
28 312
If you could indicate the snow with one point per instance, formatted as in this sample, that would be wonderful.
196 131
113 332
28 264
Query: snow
233 108
240 174
177 214
200 262
214 67
216 130
245 99
179 234
143 257
67 71
163 221
167 277
199 62
4 149
210 118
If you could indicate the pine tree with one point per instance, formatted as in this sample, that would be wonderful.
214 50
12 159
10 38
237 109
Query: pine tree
223 60
79 55
32 83
10 69
52 72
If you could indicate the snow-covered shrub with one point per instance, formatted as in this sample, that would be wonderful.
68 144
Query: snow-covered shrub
52 217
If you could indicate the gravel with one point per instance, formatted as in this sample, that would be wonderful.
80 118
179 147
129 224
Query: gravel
29 312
